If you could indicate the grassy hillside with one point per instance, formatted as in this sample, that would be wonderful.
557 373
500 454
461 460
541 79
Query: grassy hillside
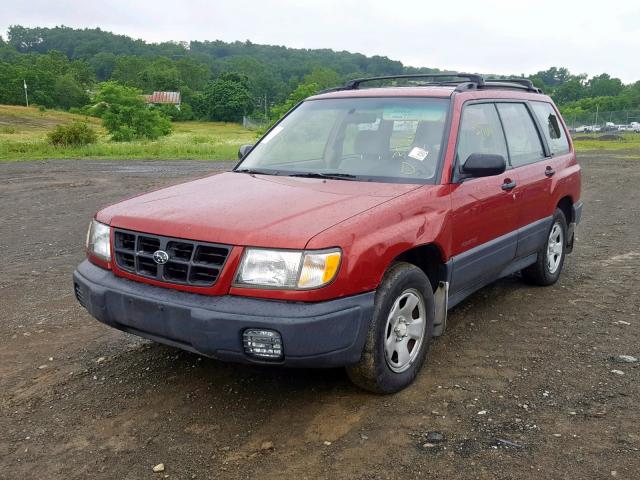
23 137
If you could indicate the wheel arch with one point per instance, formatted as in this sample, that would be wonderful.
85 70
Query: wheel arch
427 257
566 205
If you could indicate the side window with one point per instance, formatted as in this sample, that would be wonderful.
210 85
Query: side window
522 136
480 132
551 127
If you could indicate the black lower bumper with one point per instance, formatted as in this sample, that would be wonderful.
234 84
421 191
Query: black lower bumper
323 334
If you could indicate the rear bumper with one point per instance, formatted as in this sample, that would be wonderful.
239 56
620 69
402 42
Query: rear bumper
323 334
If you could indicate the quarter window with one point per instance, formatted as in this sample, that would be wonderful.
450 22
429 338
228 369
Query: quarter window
522 137
551 127
480 132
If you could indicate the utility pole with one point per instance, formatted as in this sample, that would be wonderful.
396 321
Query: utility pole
597 109
26 95
266 115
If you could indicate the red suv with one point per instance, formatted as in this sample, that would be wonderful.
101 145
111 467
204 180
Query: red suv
342 237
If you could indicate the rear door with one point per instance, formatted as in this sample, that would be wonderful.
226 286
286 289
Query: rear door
484 209
528 158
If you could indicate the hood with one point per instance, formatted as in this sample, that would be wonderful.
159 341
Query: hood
255 210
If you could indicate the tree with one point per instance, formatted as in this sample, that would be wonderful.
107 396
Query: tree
129 123
114 93
128 70
193 75
103 65
67 92
228 98
160 74
126 116
604 86
569 91
323 78
303 91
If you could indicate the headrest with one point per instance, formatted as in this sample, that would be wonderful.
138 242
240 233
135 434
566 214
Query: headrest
428 133
367 142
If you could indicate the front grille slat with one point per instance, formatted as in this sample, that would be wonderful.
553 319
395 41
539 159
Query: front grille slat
190 262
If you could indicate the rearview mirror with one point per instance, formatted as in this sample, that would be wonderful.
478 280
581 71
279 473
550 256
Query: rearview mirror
244 149
484 165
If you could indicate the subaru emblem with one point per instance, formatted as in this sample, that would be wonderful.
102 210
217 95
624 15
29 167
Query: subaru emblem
160 257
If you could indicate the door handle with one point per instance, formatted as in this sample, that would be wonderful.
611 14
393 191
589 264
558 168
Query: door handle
508 184
549 172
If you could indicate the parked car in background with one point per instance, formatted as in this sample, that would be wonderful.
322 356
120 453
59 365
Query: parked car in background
344 235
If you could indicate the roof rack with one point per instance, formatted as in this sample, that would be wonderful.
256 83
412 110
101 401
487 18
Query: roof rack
354 84
470 81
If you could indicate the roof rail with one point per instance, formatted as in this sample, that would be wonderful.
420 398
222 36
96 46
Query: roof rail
355 84
513 83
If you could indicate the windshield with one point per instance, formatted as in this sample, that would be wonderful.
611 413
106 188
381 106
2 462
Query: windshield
379 139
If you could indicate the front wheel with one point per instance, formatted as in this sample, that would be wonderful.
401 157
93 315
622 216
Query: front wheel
399 333
547 268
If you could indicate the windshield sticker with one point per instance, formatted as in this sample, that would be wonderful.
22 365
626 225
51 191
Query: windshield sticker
275 131
418 153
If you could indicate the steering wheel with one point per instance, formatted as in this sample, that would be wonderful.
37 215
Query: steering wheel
411 166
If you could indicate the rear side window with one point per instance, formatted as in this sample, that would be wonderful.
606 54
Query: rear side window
522 136
480 132
551 127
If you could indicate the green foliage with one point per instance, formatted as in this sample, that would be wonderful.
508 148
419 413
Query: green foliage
323 78
303 91
114 93
67 92
129 123
47 76
228 98
604 86
72 134
126 116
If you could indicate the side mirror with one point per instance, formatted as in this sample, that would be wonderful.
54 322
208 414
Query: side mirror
484 165
244 149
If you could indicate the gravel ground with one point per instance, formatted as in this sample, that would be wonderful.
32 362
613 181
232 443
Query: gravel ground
526 384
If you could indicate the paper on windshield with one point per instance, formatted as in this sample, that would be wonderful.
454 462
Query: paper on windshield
413 112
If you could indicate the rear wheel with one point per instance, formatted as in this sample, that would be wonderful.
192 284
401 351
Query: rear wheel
399 333
548 267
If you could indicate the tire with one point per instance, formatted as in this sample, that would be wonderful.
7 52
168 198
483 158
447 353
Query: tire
548 266
384 366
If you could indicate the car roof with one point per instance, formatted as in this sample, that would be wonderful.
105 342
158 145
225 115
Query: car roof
435 91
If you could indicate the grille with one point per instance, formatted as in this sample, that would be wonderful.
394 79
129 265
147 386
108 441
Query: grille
190 263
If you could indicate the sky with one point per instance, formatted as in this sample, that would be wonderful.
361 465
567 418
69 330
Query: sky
488 36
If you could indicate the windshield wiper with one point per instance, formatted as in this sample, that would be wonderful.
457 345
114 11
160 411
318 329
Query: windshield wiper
256 171
331 175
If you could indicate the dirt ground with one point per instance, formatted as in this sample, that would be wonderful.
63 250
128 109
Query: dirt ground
521 386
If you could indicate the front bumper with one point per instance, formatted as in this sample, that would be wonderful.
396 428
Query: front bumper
323 334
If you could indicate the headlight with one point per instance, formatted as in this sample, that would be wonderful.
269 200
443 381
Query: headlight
99 240
287 269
